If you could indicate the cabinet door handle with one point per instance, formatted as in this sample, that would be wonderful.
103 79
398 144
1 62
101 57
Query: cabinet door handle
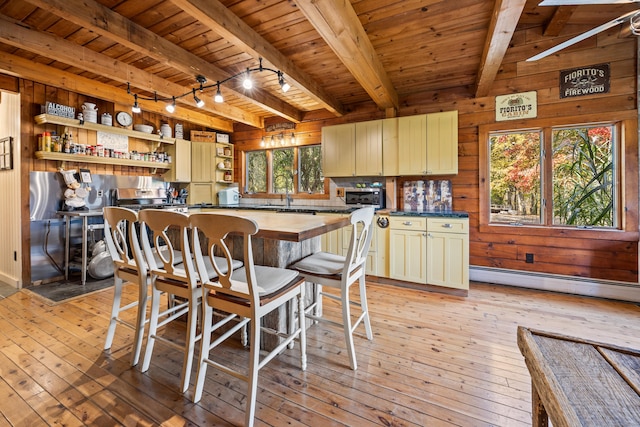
447 225
407 223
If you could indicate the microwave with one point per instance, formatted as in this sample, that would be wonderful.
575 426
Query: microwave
364 197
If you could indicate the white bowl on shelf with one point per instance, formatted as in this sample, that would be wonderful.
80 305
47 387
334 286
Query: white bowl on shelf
143 128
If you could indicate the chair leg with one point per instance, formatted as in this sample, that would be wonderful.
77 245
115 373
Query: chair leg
318 301
207 320
140 321
115 311
252 378
365 308
153 328
346 322
303 329
190 342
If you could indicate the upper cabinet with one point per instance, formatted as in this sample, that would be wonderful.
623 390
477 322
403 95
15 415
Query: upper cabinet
428 144
181 166
338 150
352 149
390 147
425 144
368 153
442 143
412 145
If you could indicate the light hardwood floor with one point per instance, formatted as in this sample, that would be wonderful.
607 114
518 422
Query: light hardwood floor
435 360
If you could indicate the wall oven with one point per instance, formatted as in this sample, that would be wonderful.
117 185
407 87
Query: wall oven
359 197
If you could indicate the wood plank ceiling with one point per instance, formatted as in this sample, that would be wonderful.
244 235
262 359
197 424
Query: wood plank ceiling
334 54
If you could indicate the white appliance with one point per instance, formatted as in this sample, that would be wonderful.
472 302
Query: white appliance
228 197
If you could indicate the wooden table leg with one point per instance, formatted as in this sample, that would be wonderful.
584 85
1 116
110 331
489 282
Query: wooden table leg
538 413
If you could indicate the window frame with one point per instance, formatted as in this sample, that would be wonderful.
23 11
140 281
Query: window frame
270 194
627 160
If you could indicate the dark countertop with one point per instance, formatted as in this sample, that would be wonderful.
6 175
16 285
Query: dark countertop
444 214
281 208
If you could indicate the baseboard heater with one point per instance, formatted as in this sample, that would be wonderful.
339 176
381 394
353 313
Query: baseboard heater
610 289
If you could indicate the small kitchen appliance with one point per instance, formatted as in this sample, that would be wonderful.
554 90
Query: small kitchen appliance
358 197
229 197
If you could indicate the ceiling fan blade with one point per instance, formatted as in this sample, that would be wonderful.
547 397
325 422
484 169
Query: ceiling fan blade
584 2
583 36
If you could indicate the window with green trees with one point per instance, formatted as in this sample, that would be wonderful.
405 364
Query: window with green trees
291 170
581 178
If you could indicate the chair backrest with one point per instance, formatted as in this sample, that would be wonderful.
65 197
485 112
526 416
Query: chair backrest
360 242
121 236
215 228
155 226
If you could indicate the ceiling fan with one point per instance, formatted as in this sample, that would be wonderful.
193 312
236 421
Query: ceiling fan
632 17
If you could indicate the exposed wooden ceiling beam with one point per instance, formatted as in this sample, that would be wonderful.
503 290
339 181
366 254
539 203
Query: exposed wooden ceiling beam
558 21
26 69
222 21
339 26
103 21
51 46
504 20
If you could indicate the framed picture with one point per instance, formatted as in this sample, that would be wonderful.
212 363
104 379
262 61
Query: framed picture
85 176
6 153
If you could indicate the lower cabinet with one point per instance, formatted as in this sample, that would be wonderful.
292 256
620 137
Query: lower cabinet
201 192
448 253
433 251
408 249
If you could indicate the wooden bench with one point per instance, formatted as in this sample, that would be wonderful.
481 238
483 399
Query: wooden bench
576 382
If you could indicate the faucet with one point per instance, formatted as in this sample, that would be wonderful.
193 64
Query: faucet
288 196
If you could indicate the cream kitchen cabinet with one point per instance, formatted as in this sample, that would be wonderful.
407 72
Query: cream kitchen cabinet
408 249
442 143
412 145
448 252
390 147
353 149
338 150
181 162
368 148
332 241
202 162
428 144
203 169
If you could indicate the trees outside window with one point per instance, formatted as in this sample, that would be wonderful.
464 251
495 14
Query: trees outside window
290 170
256 171
582 176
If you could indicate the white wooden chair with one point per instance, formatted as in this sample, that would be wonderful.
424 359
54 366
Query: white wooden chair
340 272
179 281
249 293
129 265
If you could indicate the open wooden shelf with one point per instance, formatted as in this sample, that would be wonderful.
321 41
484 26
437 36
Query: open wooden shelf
63 121
77 158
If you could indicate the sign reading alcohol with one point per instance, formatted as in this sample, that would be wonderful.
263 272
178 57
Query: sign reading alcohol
583 81
517 106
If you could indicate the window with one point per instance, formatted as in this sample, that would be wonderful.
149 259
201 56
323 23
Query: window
256 172
285 170
562 176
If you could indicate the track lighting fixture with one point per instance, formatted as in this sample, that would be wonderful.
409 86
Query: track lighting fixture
171 107
247 83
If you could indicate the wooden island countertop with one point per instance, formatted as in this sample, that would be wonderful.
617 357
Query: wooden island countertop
292 227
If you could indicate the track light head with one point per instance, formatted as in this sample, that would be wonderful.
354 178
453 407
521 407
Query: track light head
247 83
171 108
218 98
136 107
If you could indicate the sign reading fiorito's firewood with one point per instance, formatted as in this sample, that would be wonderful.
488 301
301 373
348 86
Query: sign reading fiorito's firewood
583 81
517 106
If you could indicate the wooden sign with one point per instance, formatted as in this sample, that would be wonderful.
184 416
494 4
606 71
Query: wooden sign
59 110
583 81
517 106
